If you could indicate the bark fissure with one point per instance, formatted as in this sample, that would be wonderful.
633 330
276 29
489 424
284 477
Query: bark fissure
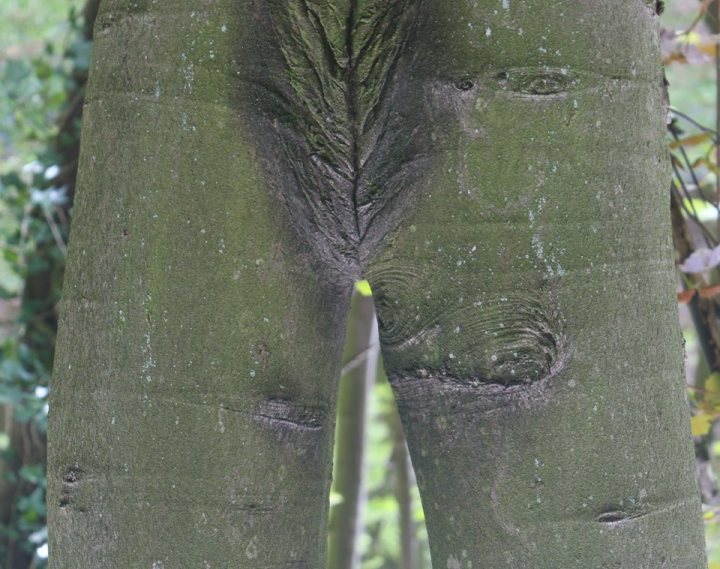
285 415
351 92
331 115
614 517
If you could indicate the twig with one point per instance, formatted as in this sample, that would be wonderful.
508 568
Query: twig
55 231
691 120
701 12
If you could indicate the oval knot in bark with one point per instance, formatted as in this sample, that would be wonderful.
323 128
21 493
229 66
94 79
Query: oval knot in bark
509 339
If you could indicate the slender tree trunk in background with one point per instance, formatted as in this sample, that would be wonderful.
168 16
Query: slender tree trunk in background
495 168
404 483
360 360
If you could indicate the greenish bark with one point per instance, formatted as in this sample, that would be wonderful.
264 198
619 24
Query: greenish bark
404 483
360 360
192 413
496 170
527 312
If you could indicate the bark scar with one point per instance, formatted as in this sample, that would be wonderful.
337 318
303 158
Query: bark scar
285 415
508 339
615 517
71 480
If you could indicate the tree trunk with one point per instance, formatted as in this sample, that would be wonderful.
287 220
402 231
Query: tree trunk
361 361
192 414
404 484
495 168
527 313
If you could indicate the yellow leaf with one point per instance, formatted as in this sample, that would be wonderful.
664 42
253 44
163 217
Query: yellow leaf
700 424
693 37
675 57
712 383
714 565
708 48
685 296
692 140
710 394
710 165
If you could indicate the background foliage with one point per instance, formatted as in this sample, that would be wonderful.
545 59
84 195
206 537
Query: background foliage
43 52
691 55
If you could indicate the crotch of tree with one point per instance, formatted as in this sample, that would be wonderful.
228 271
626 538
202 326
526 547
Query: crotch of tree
344 142
348 133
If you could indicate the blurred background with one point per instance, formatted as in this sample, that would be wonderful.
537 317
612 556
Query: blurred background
376 519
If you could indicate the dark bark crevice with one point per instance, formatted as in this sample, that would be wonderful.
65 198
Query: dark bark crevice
344 154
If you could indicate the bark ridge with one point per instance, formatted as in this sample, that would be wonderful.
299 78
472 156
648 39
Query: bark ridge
346 149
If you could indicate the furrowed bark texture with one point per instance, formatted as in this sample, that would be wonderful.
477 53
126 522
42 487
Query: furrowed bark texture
193 403
495 168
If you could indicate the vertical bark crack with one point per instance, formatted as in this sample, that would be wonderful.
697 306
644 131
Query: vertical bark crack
351 90
336 114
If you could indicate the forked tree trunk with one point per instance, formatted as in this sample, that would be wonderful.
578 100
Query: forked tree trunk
495 168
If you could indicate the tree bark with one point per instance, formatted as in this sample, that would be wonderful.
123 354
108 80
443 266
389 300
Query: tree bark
361 361
495 168
527 313
192 413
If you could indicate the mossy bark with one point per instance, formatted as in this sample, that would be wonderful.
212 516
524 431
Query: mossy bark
192 413
495 168
527 312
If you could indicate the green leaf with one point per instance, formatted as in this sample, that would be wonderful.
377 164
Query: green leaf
10 281
33 474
